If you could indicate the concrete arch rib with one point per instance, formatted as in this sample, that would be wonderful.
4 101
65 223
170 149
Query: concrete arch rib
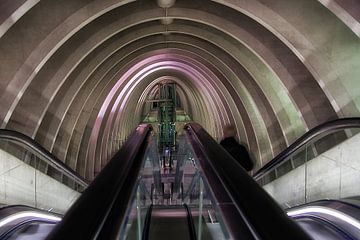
213 116
89 113
105 141
236 86
347 11
136 76
195 100
308 96
301 27
151 92
12 11
268 82
82 82
71 143
58 108
71 17
266 53
72 53
244 87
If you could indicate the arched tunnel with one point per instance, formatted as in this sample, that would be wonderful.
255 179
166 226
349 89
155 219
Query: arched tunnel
77 75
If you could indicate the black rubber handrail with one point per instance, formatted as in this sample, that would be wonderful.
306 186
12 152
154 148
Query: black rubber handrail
100 212
340 205
39 150
191 226
344 235
9 233
10 210
314 133
248 211
147 222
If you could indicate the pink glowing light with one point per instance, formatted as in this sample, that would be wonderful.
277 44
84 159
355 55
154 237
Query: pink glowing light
191 68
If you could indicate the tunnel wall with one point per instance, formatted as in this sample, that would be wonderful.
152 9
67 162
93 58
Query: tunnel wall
334 174
72 72
22 184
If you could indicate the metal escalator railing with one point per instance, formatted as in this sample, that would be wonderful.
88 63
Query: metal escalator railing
311 135
146 229
18 219
100 211
21 140
190 223
248 211
334 219
169 218
192 232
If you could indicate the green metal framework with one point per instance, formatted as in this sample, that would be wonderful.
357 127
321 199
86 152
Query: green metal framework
167 115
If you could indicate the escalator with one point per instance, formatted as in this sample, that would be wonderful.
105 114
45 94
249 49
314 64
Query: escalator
22 222
329 219
176 210
204 195
326 203
31 181
223 201
174 222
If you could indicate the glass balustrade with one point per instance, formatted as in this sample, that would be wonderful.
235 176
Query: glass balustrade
166 188
27 178
328 167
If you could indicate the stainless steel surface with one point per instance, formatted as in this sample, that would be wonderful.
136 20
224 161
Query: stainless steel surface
320 230
169 222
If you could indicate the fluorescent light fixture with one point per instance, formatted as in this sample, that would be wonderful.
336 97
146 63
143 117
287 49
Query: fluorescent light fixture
308 210
17 216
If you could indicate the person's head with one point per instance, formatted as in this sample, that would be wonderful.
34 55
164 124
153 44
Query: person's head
229 131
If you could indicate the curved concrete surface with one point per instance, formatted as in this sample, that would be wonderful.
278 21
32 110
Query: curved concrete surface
75 74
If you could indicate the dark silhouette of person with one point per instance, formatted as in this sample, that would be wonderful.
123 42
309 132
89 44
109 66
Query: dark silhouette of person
236 150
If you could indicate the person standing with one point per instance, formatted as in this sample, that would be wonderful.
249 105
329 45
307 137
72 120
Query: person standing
236 150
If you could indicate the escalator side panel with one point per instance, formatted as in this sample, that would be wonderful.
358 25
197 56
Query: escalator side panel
169 223
202 227
100 211
320 231
38 231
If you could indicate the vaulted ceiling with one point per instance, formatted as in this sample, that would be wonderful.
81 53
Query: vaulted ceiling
74 74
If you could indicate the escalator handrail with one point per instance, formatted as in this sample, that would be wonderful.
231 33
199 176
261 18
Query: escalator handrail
325 128
39 150
190 221
323 221
11 209
147 222
8 234
16 213
100 212
251 210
